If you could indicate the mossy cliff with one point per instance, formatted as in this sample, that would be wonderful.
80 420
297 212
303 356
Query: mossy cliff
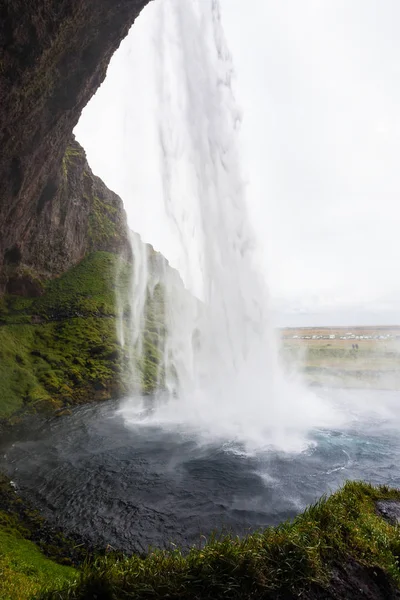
58 340
55 215
61 348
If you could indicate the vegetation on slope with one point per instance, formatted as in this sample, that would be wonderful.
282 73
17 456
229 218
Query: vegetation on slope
61 348
294 559
25 571
33 556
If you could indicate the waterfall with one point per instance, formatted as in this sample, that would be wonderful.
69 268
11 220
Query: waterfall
221 372
132 283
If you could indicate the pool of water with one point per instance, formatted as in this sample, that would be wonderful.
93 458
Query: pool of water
136 486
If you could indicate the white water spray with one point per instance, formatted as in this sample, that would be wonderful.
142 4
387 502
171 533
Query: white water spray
130 326
221 358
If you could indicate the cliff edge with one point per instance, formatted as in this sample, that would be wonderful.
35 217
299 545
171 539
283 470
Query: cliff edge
53 57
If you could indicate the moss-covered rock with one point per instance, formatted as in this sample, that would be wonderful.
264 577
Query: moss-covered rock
61 348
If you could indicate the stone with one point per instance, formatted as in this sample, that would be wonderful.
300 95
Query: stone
389 510
53 56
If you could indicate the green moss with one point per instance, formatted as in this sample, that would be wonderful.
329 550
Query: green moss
25 571
101 225
281 562
61 349
88 288
72 154
59 363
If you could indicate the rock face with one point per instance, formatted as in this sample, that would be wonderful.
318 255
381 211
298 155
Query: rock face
53 56
81 216
390 510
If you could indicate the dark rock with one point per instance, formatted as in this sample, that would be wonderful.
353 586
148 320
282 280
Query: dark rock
53 56
63 412
355 581
389 510
24 285
13 255
78 216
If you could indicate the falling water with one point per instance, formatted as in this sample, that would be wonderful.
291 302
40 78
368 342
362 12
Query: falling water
222 372
133 283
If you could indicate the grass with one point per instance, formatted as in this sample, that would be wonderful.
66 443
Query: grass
280 562
25 571
61 349
33 555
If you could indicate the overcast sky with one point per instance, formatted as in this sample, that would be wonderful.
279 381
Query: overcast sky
318 82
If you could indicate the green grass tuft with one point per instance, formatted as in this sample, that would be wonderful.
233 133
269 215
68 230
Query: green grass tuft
25 571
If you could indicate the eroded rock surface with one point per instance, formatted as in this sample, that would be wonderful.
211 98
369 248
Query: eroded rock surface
82 216
390 510
53 56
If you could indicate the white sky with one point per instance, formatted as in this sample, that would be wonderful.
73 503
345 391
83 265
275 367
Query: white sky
318 82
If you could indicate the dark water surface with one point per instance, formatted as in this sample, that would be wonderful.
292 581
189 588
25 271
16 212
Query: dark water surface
140 486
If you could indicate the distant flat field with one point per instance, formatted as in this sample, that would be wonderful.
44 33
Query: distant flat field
345 356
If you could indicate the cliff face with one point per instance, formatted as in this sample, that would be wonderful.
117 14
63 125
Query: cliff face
53 56
82 216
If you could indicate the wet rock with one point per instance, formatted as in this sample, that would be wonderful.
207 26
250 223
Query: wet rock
63 412
389 510
355 581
